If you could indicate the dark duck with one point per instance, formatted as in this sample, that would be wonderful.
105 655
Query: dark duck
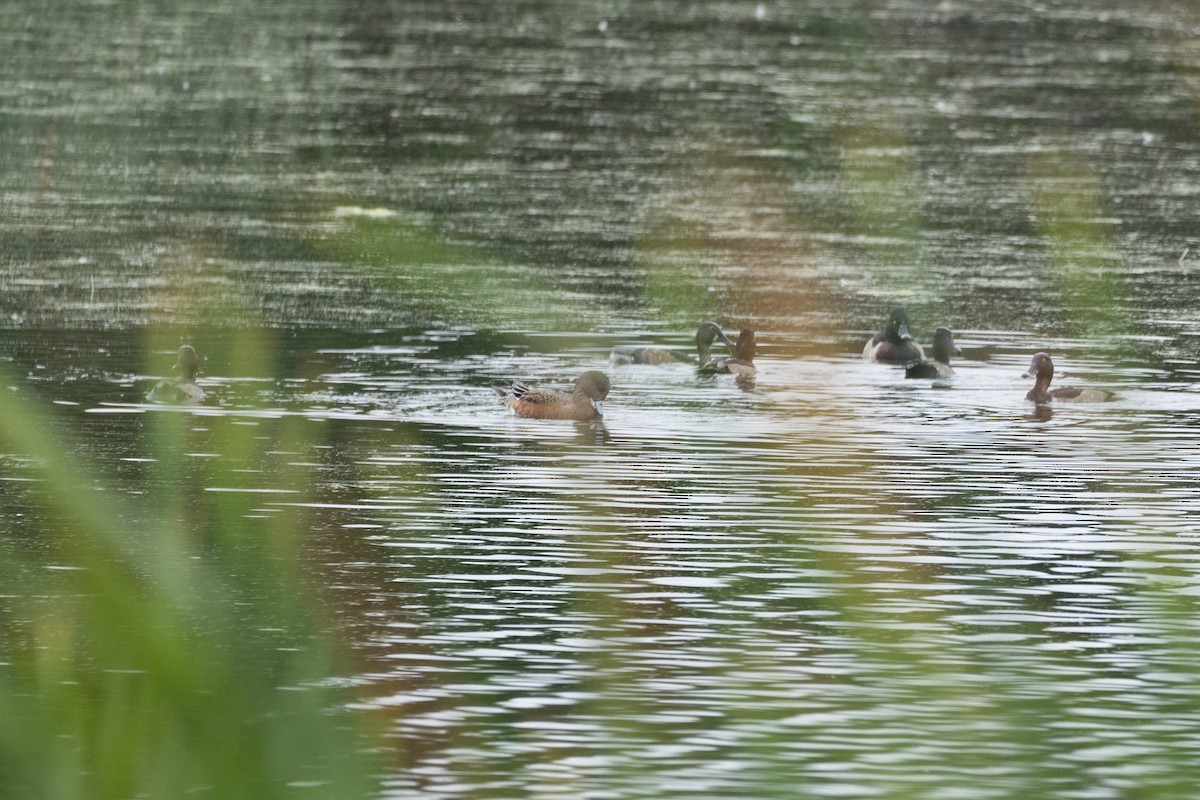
182 390
939 367
894 344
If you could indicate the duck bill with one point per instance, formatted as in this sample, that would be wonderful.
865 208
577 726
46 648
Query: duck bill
903 333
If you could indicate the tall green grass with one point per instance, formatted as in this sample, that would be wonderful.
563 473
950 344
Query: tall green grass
163 642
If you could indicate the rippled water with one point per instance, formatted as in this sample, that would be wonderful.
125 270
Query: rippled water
831 581
835 576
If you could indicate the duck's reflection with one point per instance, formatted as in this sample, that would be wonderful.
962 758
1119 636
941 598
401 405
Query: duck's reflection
1040 414
592 433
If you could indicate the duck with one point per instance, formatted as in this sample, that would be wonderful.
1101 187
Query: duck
939 367
742 363
182 390
894 344
1041 368
584 402
706 334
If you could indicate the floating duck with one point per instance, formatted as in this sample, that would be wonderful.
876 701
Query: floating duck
1041 368
939 367
583 403
182 390
894 344
706 334
742 363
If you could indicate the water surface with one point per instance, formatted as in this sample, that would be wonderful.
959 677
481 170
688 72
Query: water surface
831 581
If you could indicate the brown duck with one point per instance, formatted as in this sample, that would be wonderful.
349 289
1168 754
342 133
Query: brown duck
1041 368
582 403
742 363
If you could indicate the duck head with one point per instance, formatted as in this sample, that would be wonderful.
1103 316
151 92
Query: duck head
897 326
594 385
706 334
1041 367
944 346
188 364
747 345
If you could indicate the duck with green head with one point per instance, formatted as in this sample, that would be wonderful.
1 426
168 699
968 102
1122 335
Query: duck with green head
706 334
742 363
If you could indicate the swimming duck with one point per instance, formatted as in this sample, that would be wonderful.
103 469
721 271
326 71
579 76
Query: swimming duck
182 390
943 347
706 334
583 403
742 363
1042 369
894 344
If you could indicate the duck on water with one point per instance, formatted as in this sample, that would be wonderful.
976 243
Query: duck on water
706 334
584 402
894 344
1041 369
939 367
742 363
182 390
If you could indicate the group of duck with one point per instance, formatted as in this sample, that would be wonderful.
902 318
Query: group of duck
586 400
892 345
895 345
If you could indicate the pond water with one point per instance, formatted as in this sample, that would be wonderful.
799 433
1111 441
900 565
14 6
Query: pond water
829 581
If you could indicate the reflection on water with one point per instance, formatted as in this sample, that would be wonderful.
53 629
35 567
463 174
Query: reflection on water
830 581
842 576
1024 168
729 587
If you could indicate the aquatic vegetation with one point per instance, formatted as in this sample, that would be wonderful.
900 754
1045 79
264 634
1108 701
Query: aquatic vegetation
161 644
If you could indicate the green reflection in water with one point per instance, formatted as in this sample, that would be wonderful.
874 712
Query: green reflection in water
1085 267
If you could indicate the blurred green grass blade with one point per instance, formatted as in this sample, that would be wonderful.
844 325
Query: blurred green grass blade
145 665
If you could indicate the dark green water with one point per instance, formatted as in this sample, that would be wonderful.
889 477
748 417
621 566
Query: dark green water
832 582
